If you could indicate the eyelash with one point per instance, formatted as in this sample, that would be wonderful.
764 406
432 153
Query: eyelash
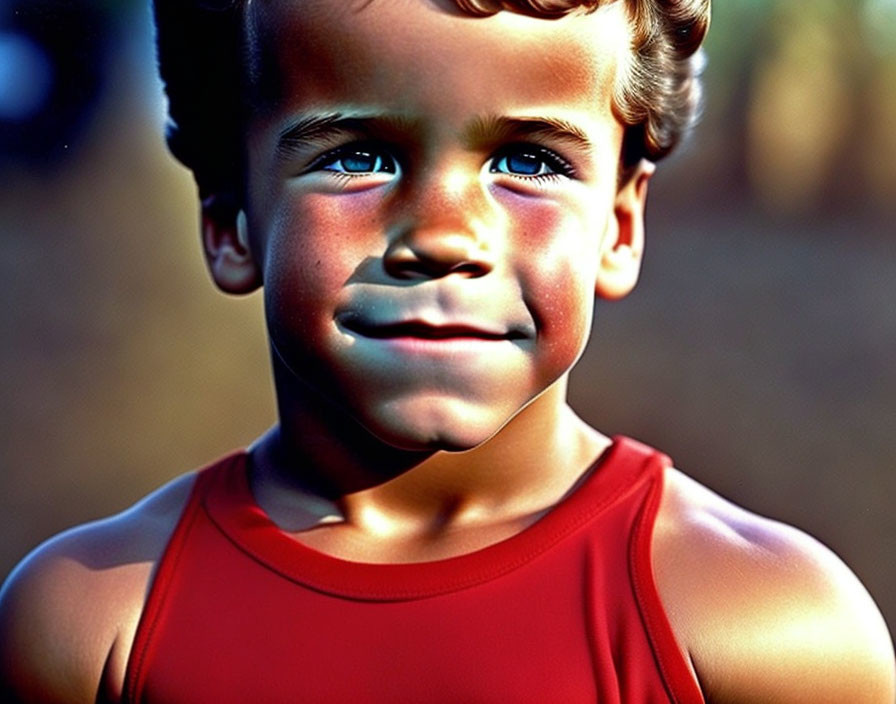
347 150
559 167
557 164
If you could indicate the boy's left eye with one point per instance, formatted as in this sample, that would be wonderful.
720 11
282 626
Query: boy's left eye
358 160
530 161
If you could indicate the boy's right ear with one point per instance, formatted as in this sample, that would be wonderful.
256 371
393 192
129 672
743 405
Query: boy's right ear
226 244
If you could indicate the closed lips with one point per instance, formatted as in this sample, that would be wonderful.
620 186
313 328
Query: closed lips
416 329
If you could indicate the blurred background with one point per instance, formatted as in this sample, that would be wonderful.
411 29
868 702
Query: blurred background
757 351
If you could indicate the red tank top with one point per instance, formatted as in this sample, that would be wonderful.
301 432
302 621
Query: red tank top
565 611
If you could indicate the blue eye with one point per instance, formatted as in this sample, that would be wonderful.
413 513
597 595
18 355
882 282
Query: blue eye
530 161
358 160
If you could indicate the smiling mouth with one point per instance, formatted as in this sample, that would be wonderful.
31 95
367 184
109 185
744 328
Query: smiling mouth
425 331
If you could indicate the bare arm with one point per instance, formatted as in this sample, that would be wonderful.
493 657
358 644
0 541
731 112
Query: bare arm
55 627
766 613
69 611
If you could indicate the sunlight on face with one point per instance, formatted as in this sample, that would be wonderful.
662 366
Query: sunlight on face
428 196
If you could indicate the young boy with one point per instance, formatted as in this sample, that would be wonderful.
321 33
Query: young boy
431 193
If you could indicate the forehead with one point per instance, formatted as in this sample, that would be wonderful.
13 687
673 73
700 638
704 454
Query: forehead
425 55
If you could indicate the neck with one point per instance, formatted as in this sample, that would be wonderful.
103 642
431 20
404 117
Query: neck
318 467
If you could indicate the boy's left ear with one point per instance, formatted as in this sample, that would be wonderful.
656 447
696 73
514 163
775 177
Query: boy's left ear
225 242
623 245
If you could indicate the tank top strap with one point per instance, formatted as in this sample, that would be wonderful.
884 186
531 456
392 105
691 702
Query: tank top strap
166 569
672 662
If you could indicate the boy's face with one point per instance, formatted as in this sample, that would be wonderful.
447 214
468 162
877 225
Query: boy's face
432 202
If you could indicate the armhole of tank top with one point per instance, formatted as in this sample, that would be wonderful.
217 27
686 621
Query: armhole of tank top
680 681
158 591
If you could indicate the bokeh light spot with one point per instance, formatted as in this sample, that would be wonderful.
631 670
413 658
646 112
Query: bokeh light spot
879 20
26 77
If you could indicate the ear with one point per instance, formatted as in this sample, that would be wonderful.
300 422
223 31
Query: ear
226 244
623 244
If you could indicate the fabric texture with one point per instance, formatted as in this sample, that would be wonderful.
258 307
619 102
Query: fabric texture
565 611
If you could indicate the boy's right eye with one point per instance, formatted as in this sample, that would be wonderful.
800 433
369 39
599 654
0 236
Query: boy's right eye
357 160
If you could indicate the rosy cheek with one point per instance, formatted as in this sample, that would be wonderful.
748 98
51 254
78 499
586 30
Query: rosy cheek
566 319
314 245
557 271
320 239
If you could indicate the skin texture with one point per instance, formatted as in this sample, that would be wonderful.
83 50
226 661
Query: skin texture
443 241
426 297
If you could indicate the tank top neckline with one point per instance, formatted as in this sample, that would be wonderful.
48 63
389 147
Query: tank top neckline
227 499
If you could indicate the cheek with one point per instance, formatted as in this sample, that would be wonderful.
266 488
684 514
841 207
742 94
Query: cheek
320 241
564 309
309 231
313 247
558 272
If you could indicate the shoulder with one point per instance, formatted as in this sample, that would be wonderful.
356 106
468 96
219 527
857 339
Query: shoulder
765 612
69 610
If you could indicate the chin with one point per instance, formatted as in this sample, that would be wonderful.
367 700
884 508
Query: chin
448 427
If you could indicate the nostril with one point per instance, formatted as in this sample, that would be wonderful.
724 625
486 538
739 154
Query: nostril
434 255
408 269
416 268
470 269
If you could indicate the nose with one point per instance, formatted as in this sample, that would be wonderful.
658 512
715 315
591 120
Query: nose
446 226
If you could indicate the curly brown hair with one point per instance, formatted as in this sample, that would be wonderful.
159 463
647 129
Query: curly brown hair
203 63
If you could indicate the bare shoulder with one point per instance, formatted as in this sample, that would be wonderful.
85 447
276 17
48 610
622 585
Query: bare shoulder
69 610
766 613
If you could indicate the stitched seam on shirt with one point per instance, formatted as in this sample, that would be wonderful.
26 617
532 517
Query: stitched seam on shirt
644 595
562 532
158 593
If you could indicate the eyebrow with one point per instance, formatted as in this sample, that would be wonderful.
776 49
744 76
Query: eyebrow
325 127
481 131
494 128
